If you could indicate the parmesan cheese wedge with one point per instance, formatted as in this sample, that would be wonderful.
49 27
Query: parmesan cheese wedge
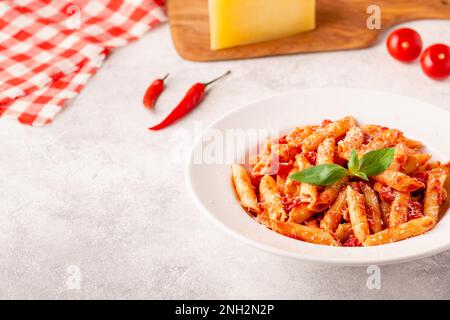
239 22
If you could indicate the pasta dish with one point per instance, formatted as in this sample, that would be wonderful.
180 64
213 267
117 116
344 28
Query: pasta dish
343 184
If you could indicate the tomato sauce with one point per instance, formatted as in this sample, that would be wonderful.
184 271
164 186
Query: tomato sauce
340 138
387 193
282 140
352 242
415 210
284 168
256 180
290 203
366 138
340 161
421 176
311 156
293 151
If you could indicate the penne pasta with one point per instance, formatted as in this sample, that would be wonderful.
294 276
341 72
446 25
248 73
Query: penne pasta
280 152
413 144
386 138
403 231
400 157
371 130
328 196
264 218
343 232
244 188
302 162
308 192
399 209
313 223
434 192
263 160
346 215
333 129
325 151
292 187
357 212
300 214
414 162
385 192
270 198
354 139
296 136
262 167
373 208
281 183
385 211
333 216
431 165
305 233
399 181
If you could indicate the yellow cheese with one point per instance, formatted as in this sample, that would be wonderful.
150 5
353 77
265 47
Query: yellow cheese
238 22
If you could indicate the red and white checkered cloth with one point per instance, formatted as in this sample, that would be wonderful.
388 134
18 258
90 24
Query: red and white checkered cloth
49 49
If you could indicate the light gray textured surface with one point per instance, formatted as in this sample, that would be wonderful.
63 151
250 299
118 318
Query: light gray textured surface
96 190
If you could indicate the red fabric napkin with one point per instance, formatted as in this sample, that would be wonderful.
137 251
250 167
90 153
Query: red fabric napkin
49 49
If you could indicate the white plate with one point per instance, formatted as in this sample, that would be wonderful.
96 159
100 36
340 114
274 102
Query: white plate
210 184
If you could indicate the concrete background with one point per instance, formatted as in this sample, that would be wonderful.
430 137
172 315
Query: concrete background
95 193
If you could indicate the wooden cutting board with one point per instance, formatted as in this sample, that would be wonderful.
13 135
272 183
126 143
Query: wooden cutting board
341 25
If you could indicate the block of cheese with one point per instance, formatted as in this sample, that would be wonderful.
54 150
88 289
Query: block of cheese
239 22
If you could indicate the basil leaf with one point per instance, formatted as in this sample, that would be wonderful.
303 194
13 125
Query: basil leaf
353 162
375 162
321 175
361 175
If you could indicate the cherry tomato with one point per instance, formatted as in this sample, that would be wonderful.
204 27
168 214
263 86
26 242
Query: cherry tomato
435 61
404 44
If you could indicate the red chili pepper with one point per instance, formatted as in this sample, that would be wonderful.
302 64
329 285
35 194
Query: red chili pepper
188 103
153 92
